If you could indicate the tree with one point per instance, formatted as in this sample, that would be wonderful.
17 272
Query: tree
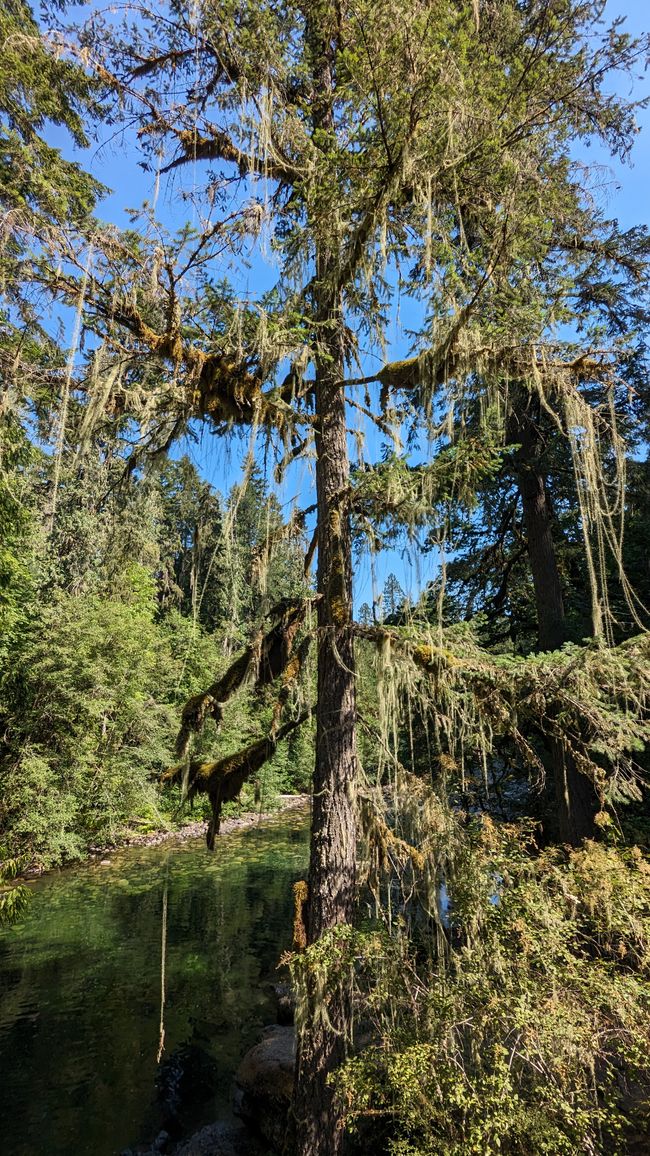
100 648
421 141
393 597
40 191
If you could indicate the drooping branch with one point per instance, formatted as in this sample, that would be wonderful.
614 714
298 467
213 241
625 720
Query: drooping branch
395 494
213 145
267 657
223 780
290 676
218 146
595 702
231 772
433 367
216 385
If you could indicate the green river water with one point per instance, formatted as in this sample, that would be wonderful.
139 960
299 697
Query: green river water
80 981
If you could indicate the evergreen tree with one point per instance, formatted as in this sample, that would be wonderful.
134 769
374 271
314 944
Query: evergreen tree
41 193
392 598
431 139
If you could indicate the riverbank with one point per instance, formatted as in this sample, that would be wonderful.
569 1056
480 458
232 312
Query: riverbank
188 831
198 830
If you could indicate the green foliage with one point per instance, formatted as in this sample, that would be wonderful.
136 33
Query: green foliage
84 730
13 897
513 1017
39 86
16 528
394 496
445 706
112 619
428 147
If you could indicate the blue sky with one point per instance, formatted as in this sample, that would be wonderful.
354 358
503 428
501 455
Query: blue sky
623 192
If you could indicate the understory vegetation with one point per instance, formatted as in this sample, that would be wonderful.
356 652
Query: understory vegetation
515 1019
450 365
111 630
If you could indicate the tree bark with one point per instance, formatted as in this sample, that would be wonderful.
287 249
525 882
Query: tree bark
317 1126
332 867
576 796
333 846
537 514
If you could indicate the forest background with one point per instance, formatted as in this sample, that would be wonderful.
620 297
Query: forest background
48 819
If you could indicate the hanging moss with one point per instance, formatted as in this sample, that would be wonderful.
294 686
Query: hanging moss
594 700
223 779
264 660
300 898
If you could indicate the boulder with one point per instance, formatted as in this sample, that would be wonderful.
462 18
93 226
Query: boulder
186 1079
264 1084
221 1139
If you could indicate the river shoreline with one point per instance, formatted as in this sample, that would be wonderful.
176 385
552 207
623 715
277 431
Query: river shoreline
189 831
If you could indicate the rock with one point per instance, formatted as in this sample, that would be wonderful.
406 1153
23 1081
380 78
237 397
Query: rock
221 1139
186 1078
105 863
264 1083
159 1146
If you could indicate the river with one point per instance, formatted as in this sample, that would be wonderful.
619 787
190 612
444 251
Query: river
80 989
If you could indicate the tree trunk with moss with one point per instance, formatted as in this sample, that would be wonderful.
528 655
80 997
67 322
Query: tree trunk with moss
576 797
332 867
537 513
333 850
333 842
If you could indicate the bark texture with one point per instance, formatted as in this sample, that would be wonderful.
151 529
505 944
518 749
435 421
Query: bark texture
318 1130
316 1123
576 796
537 514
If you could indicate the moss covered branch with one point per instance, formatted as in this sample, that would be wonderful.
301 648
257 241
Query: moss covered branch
269 656
223 780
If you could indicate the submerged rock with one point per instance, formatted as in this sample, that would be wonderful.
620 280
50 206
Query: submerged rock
185 1079
221 1139
160 1145
264 1083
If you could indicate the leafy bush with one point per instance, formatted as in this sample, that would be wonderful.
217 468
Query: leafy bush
515 1020
93 705
13 896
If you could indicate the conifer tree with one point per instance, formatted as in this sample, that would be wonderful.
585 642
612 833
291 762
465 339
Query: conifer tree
423 142
41 192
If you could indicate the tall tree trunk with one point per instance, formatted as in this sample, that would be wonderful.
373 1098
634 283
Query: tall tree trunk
334 824
332 868
551 620
576 796
333 846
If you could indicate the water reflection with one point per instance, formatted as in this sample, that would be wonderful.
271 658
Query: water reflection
80 990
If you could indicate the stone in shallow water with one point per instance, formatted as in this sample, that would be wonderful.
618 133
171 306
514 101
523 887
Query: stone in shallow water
185 1078
264 1083
286 1003
159 1145
221 1139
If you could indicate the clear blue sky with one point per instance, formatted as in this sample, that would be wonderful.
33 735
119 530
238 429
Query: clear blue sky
623 193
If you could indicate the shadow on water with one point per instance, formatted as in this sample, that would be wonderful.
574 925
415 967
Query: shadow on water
80 982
